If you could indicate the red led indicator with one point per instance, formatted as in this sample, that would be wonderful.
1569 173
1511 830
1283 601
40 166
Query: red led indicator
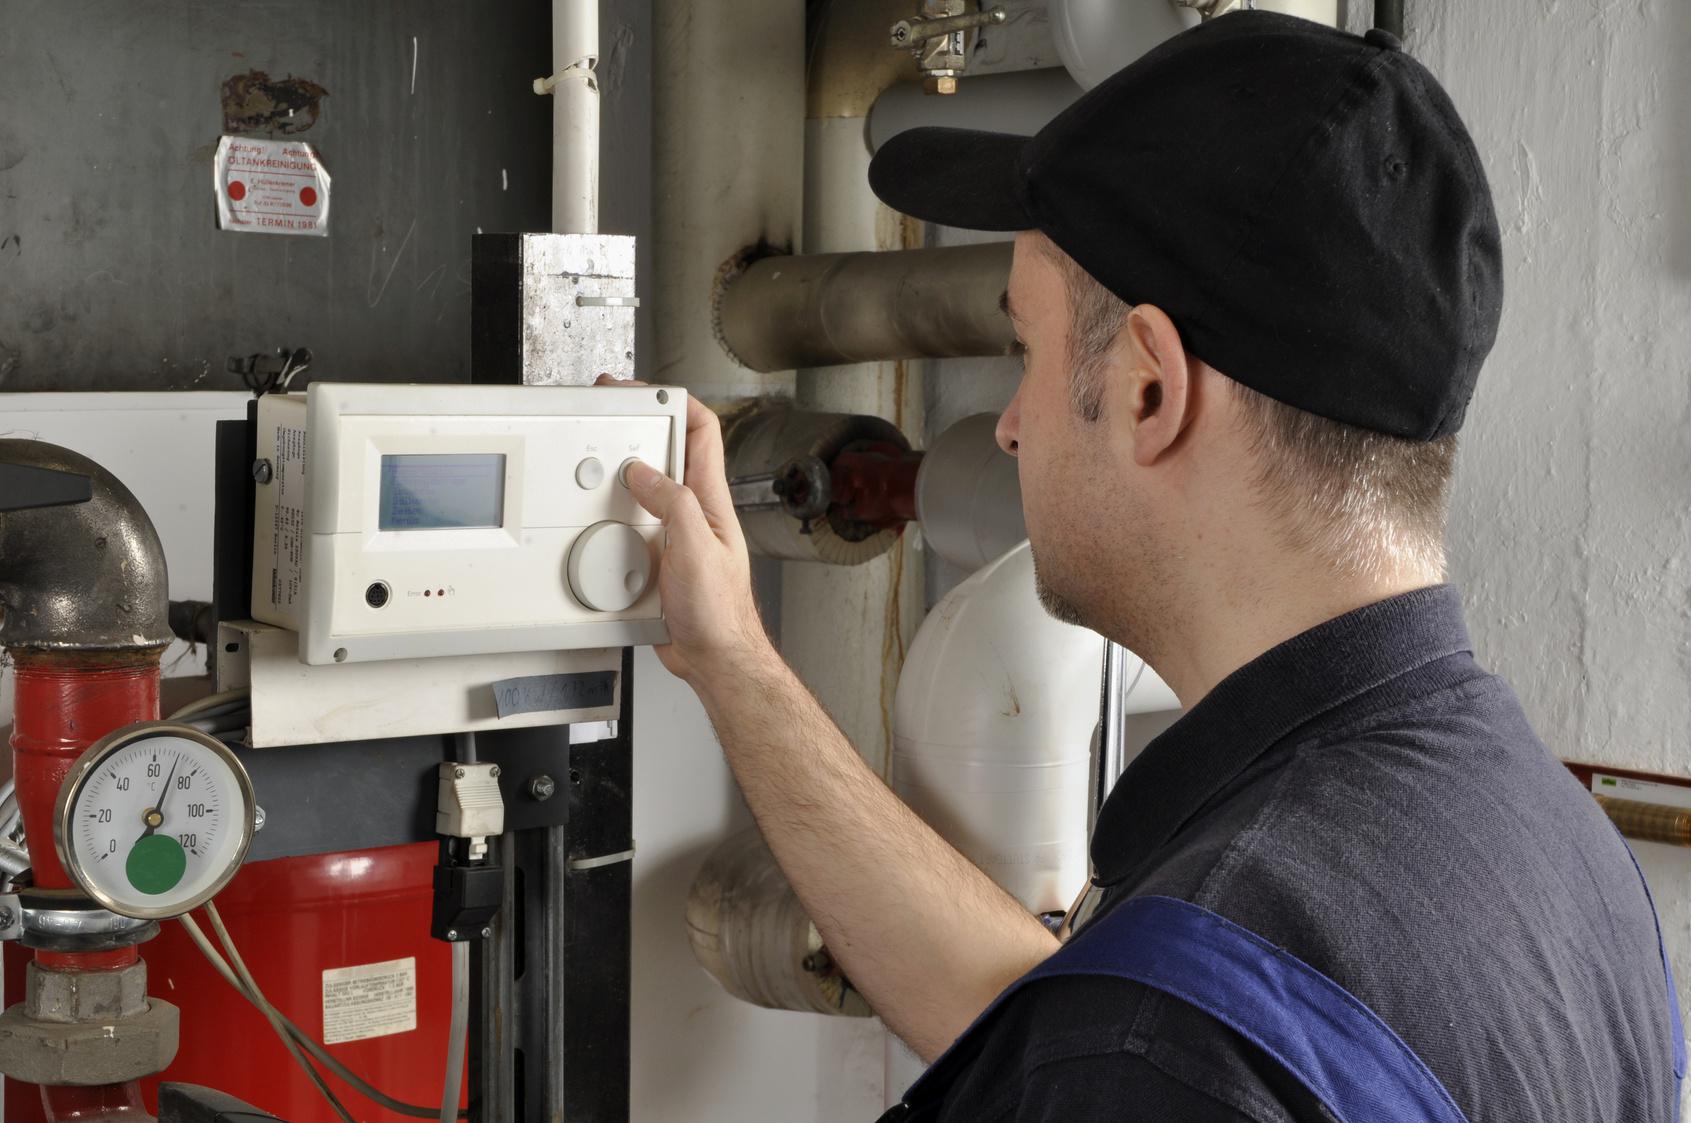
426 593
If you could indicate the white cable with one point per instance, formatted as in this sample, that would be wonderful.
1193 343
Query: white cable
459 1028
210 701
244 985
309 1044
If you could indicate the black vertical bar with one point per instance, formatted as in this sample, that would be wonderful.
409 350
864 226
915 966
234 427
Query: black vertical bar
593 940
1388 16
231 546
493 1005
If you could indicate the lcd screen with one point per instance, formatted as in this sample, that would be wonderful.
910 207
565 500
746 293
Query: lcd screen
435 492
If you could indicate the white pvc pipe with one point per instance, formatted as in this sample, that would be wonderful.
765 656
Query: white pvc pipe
575 117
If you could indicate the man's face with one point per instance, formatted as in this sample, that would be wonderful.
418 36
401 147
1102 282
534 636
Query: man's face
1091 529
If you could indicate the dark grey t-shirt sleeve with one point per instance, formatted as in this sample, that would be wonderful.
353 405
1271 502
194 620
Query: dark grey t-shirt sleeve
1121 1088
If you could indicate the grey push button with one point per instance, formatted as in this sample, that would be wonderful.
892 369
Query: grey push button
622 472
589 474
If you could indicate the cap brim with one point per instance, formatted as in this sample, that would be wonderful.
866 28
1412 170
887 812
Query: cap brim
958 177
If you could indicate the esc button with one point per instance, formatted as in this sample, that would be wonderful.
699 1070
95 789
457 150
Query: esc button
589 474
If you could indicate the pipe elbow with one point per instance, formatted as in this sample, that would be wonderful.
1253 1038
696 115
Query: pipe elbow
85 577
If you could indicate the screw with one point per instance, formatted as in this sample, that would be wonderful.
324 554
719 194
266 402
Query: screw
486 932
6 917
494 772
900 32
460 773
258 818
262 472
542 788
452 933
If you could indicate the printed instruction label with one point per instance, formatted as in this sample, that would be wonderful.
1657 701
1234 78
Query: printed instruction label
287 531
370 1000
271 187
1643 791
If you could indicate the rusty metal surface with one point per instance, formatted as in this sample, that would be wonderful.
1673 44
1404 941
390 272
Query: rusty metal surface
87 577
113 274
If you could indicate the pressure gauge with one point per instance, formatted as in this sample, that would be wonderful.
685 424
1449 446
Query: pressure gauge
154 819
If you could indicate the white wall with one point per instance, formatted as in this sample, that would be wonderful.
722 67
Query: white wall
1572 511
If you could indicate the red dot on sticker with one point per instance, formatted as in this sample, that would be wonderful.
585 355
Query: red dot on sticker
308 196
237 190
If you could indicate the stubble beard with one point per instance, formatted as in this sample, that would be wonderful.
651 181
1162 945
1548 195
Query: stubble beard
1056 605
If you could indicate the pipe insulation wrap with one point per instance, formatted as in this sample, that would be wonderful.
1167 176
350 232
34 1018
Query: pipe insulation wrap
820 310
992 730
747 928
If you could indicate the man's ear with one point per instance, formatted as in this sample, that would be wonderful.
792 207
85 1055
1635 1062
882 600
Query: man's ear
1158 401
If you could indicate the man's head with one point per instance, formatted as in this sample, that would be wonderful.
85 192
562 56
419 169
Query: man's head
1258 272
1139 461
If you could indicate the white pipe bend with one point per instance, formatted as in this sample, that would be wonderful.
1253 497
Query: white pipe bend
992 731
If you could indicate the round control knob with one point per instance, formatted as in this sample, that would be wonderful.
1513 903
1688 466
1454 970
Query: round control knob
610 567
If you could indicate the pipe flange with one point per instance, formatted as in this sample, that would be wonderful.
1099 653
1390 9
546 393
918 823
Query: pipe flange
60 921
83 1053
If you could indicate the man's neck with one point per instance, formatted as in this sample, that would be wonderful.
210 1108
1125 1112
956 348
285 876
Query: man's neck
1229 625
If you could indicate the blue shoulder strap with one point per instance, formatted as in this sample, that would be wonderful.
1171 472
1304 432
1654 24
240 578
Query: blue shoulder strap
1319 1032
1334 1045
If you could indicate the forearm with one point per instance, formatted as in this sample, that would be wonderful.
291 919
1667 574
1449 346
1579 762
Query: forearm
927 937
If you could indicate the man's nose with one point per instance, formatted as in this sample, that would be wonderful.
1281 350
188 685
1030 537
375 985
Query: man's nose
1009 426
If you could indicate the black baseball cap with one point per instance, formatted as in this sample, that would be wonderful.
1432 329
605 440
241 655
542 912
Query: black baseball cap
1304 203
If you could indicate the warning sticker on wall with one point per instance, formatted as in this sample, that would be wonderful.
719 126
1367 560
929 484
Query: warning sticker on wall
370 1000
271 187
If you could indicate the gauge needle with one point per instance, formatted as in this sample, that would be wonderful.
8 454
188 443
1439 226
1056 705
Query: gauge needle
155 817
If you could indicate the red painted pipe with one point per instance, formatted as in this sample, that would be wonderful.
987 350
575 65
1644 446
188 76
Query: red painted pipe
65 702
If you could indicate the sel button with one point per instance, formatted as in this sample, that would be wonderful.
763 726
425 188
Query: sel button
590 473
610 567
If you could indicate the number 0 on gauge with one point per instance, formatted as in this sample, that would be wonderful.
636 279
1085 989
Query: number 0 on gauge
154 819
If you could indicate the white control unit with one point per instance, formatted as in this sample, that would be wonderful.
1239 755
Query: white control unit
404 522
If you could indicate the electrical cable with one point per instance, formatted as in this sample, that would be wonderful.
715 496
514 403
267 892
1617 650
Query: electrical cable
458 1029
218 701
466 745
305 1040
243 986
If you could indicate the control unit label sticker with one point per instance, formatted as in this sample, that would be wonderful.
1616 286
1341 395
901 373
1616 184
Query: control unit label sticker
271 187
370 1000
287 542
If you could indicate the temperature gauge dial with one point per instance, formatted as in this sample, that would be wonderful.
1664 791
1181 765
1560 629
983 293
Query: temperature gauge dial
154 819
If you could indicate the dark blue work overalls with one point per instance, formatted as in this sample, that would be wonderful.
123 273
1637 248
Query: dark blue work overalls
1323 1035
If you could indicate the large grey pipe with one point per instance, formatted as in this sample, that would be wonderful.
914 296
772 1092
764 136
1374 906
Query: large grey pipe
819 310
84 577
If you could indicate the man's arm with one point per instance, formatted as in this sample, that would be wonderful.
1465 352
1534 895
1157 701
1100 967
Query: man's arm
927 937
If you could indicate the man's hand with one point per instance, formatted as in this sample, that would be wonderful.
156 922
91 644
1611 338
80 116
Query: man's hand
704 577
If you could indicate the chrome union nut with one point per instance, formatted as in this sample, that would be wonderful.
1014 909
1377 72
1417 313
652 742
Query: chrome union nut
84 1053
85 996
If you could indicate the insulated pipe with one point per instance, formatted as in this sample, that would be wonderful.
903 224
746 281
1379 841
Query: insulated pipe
575 116
720 192
819 310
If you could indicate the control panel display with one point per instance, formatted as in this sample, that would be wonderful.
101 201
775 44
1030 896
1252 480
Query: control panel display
424 492
415 522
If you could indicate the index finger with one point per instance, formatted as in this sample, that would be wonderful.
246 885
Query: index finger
707 476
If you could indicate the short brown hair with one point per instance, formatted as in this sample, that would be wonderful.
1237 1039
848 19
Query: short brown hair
1368 502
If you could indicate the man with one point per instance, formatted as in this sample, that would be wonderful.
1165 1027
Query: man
1256 276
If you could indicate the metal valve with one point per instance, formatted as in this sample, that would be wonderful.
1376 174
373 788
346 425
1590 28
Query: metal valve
939 38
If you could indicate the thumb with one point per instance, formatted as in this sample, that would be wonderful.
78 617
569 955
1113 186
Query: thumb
662 497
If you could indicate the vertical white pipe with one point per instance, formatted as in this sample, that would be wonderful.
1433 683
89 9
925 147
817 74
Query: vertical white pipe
575 117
